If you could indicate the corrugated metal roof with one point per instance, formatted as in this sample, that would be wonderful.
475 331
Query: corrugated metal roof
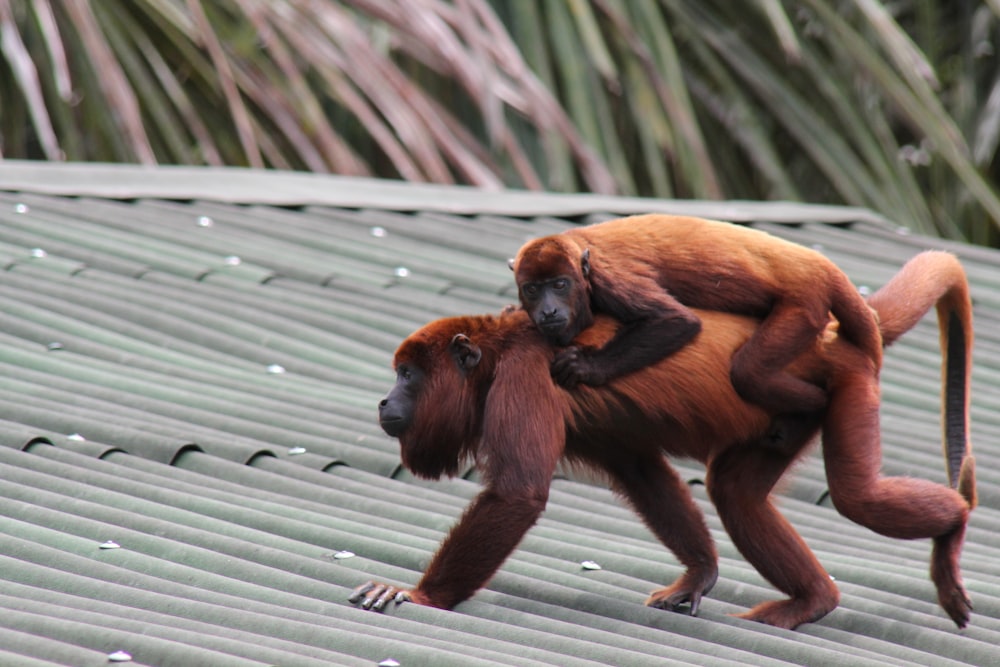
187 408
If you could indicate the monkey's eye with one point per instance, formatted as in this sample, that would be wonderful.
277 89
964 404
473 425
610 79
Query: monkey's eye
560 284
404 373
530 290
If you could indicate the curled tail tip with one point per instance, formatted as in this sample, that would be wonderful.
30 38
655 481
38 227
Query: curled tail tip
967 481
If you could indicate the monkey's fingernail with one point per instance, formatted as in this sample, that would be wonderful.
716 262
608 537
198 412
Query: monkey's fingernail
695 602
360 591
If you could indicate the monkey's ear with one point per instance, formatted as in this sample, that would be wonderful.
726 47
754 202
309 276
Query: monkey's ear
585 262
466 353
510 263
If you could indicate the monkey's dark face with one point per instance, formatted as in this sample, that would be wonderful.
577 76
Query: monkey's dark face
551 276
396 410
433 406
550 303
427 445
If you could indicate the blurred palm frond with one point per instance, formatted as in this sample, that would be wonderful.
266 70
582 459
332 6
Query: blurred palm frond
892 107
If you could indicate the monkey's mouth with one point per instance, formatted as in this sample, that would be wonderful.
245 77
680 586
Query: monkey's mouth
393 426
553 329
558 335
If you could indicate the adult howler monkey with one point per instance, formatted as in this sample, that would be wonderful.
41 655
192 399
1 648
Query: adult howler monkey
648 272
480 387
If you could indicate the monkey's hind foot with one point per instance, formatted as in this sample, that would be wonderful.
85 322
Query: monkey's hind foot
688 589
790 614
947 576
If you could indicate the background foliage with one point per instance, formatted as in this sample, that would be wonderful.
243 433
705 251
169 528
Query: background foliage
893 106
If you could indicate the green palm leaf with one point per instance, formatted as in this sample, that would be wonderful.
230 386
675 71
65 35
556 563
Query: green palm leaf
893 107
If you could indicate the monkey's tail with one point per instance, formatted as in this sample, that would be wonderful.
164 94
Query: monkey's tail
935 278
855 321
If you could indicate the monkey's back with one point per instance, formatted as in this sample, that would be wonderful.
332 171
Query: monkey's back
672 405
707 263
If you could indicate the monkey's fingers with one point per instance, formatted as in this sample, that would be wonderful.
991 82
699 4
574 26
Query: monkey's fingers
958 606
677 601
376 598
361 591
376 595
566 368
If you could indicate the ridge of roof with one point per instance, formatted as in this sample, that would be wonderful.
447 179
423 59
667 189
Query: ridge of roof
288 188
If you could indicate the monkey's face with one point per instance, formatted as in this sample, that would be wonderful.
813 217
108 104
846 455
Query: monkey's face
396 410
432 407
550 303
552 282
429 444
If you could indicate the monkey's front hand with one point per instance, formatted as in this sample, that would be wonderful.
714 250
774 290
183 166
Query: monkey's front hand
375 595
574 366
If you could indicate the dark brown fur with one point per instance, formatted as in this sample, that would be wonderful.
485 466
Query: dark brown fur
480 387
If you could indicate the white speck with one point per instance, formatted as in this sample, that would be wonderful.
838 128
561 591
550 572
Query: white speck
590 565
401 272
275 369
54 345
38 253
903 231
915 156
818 247
205 221
342 555
75 436
864 290
110 544
21 208
233 260
293 451
389 662
120 656
379 232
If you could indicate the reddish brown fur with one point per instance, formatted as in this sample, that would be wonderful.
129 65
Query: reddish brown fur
937 278
507 413
643 268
